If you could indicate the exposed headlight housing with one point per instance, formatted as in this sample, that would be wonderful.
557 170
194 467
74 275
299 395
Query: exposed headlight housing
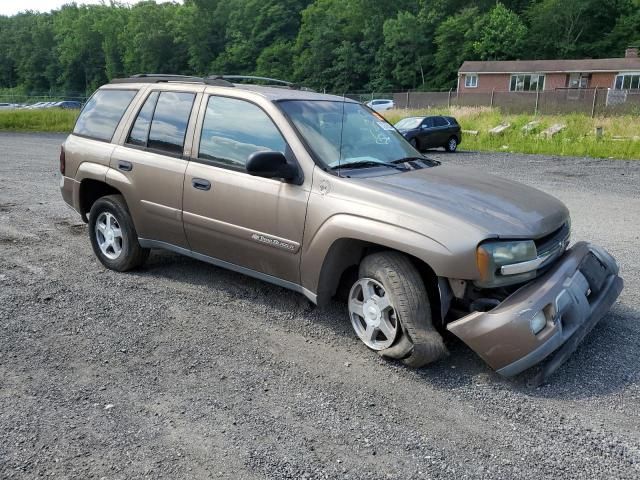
538 322
520 258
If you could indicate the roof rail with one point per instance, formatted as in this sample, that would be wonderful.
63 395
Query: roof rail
252 77
268 80
217 80
162 78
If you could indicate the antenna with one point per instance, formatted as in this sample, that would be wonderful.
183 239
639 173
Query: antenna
341 132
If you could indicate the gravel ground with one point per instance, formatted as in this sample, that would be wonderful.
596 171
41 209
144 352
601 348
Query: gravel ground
184 370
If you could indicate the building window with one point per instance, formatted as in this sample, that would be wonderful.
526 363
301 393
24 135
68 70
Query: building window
578 80
628 81
471 80
526 82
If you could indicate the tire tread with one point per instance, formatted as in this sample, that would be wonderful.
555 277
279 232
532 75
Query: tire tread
411 303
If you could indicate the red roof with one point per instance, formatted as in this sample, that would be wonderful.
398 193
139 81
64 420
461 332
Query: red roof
553 66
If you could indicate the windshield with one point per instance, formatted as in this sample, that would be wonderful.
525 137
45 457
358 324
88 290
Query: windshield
341 133
408 123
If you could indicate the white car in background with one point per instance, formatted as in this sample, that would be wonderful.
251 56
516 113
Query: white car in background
380 105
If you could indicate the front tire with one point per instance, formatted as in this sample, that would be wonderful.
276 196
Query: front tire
390 312
414 143
113 236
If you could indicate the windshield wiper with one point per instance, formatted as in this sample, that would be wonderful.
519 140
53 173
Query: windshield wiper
424 159
369 163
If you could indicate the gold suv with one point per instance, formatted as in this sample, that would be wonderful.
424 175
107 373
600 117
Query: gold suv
320 195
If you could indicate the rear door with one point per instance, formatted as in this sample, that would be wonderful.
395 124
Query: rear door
149 166
251 222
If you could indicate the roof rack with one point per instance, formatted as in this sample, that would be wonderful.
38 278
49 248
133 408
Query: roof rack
166 78
217 80
252 77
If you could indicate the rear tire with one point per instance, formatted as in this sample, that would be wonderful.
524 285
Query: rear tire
452 145
394 281
113 236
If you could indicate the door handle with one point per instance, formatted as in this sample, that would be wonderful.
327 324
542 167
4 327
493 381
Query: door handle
201 184
125 166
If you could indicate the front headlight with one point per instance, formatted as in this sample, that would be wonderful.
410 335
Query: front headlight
492 256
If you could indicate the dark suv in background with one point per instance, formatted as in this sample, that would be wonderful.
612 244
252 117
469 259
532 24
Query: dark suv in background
431 132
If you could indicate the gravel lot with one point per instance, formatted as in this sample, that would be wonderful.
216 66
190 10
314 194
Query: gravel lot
184 370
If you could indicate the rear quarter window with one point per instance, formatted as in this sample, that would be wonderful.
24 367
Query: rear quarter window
102 114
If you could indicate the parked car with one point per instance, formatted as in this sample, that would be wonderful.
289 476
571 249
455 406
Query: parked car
38 105
68 104
381 105
319 195
431 132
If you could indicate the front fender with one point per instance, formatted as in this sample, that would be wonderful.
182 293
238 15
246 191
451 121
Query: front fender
346 226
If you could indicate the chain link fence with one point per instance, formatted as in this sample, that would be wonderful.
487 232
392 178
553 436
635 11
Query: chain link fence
589 101
592 101
25 100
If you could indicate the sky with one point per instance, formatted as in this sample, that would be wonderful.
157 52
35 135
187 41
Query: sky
11 7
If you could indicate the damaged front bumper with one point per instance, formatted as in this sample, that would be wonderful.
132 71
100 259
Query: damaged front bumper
573 295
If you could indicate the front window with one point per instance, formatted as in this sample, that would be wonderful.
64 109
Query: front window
234 129
341 133
628 81
526 82
471 80
408 123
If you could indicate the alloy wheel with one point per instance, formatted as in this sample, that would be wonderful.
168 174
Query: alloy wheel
109 235
372 315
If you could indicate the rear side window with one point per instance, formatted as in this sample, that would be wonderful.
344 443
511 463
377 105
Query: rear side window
170 120
234 129
102 113
140 131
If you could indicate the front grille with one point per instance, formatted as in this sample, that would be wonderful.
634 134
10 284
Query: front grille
554 244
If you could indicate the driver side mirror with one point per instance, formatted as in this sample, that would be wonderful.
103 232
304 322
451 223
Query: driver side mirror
269 164
424 127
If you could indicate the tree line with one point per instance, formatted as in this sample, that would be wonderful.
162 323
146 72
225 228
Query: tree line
337 45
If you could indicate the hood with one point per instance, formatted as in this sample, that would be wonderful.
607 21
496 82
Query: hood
498 206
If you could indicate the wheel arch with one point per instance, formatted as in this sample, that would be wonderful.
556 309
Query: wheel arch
90 191
344 257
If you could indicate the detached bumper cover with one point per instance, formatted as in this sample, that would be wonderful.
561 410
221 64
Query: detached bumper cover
574 294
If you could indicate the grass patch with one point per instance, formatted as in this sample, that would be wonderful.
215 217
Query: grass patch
45 120
621 137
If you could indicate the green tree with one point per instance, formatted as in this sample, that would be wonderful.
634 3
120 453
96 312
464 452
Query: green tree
150 39
402 59
36 62
502 35
201 26
79 49
455 42
573 28
253 27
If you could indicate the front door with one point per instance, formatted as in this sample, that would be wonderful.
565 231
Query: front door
441 131
151 166
229 215
427 133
